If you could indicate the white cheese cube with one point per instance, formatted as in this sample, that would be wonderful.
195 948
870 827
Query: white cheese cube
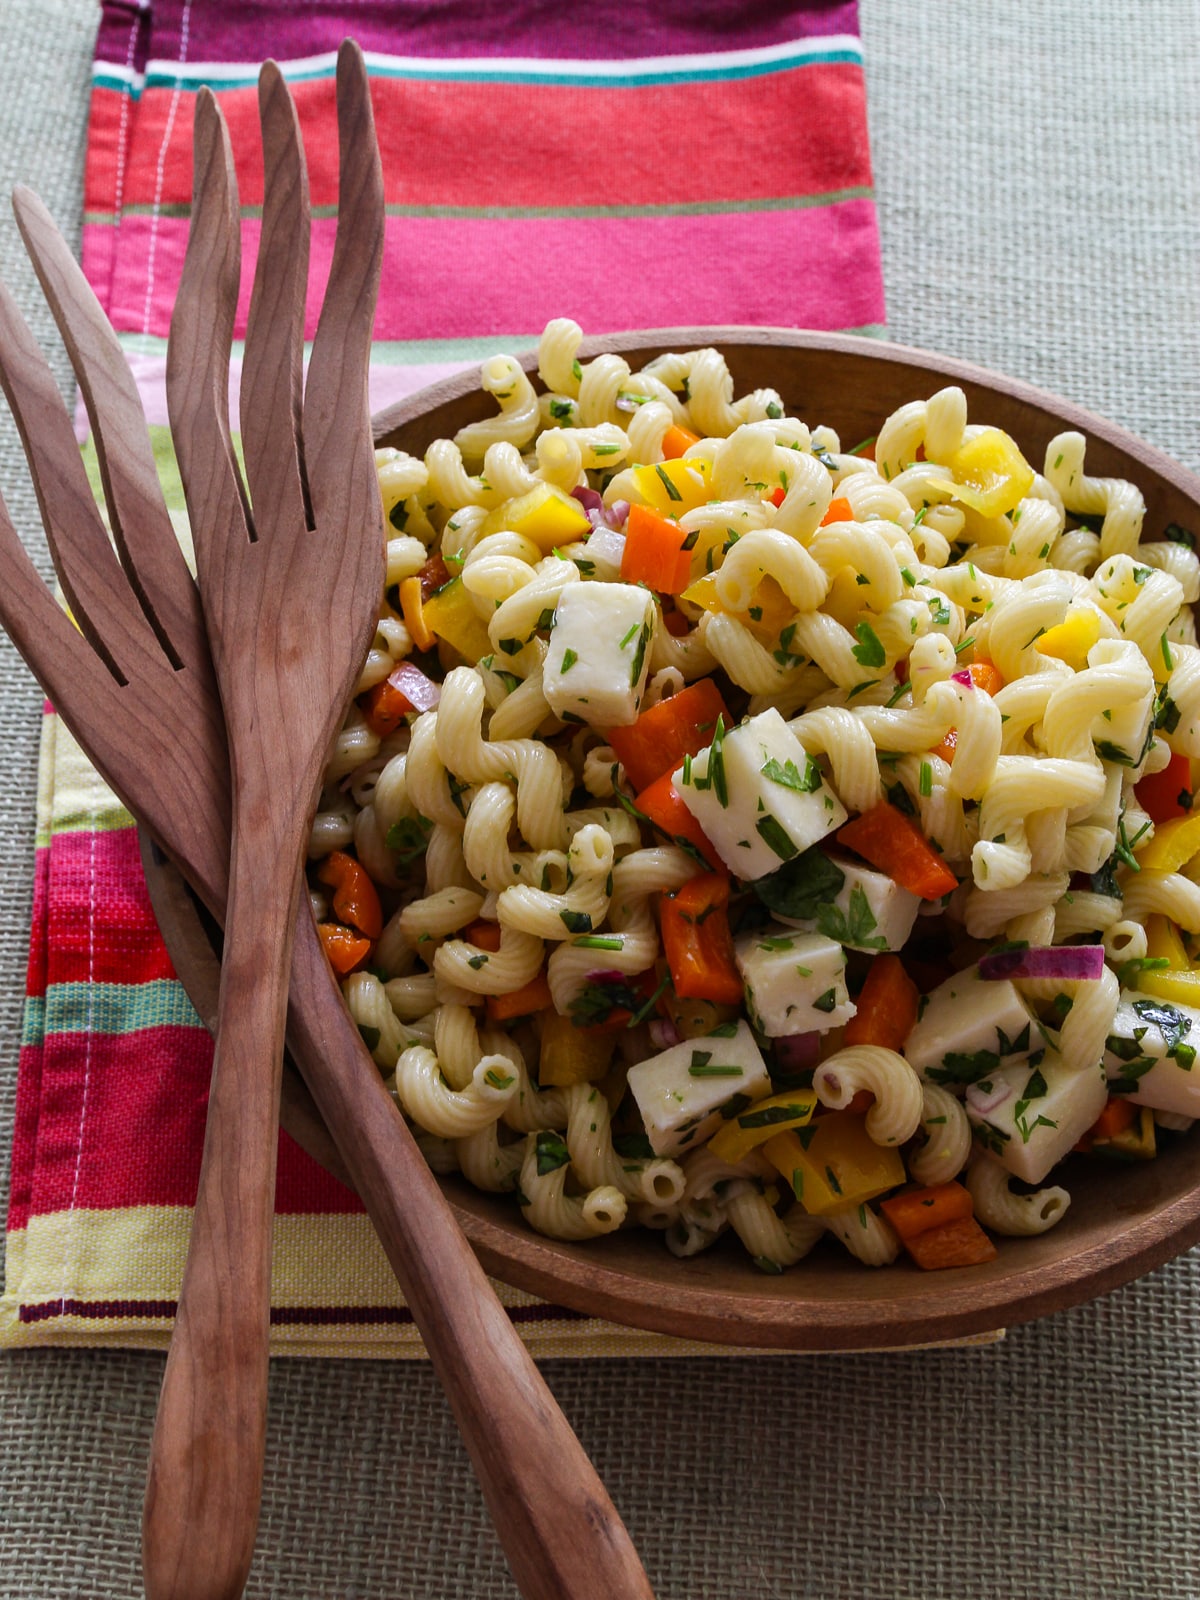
762 799
795 982
595 669
967 1027
1152 1048
1030 1116
869 912
687 1092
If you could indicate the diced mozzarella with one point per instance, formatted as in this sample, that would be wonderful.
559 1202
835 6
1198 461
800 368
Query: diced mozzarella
968 1027
1030 1116
686 1093
795 982
1160 1066
595 669
869 912
755 821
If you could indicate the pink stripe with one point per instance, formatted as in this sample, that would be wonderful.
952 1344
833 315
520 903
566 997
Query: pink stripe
29 1065
817 267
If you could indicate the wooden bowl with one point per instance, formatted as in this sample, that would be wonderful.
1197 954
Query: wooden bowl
1123 1220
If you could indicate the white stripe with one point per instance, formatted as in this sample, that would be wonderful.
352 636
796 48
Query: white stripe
110 69
504 66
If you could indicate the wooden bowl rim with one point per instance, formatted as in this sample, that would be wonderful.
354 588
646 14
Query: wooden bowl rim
777 1312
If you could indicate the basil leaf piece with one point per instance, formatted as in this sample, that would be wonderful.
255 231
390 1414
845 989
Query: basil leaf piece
801 887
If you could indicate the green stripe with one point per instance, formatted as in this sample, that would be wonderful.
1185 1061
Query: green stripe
33 1024
117 1008
689 208
92 819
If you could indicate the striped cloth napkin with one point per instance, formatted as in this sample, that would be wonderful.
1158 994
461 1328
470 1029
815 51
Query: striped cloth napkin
694 162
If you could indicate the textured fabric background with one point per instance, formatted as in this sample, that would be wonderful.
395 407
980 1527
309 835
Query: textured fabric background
1039 194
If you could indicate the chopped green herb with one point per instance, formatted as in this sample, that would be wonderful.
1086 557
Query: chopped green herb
672 492
869 652
408 838
570 657
771 831
790 776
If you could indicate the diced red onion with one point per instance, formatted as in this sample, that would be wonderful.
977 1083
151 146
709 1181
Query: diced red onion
796 1052
606 975
600 515
663 1033
964 677
607 545
420 692
1069 962
987 1099
590 499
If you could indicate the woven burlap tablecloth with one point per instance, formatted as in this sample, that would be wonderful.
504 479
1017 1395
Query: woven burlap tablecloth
1039 197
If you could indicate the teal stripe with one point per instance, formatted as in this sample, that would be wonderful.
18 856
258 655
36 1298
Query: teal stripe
117 1008
687 208
33 1023
449 72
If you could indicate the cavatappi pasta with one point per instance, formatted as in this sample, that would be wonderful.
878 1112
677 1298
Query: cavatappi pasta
738 832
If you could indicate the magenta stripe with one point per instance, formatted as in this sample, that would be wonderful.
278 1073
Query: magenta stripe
547 29
448 278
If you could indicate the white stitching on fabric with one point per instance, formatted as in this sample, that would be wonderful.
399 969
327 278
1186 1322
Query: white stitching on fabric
69 1255
161 168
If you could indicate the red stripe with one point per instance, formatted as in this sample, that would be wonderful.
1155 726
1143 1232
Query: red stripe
101 927
121 1123
455 144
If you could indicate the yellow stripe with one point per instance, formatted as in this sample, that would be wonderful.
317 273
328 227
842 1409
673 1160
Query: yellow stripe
319 1261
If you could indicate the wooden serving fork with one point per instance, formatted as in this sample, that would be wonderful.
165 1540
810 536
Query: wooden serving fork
135 684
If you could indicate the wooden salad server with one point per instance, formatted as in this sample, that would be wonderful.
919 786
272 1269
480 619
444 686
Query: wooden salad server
133 681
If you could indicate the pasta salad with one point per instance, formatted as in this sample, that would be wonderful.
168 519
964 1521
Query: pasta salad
736 831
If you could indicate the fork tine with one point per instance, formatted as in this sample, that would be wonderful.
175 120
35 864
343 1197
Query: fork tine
101 600
58 655
137 514
272 374
337 415
201 340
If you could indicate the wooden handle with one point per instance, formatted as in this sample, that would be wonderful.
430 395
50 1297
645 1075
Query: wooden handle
560 1531
205 1476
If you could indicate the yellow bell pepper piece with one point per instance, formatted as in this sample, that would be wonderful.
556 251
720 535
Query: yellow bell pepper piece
1164 944
1174 843
734 1141
413 611
992 476
703 593
1179 981
833 1163
1071 640
569 1055
769 613
1181 988
451 615
1134 1143
546 515
673 487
